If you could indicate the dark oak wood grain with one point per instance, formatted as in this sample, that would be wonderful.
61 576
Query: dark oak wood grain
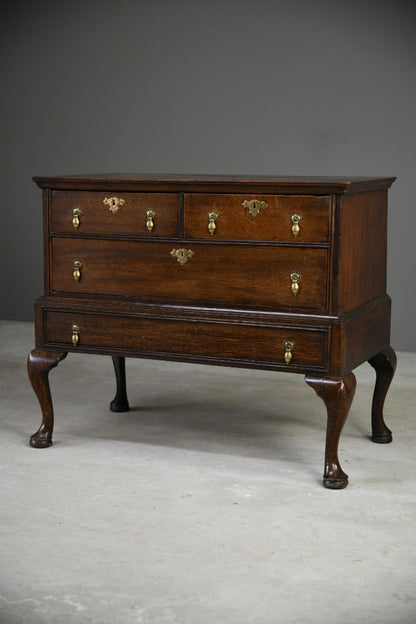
239 275
337 395
361 252
272 224
316 185
251 292
39 364
129 220
206 341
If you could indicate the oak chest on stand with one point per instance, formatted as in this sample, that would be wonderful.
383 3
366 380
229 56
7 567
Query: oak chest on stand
285 274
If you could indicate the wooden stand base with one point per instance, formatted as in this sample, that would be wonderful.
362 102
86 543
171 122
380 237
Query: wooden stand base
337 394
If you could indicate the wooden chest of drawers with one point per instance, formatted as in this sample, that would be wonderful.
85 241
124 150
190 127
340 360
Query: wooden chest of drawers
260 272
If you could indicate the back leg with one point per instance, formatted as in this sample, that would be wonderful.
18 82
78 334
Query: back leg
384 363
120 402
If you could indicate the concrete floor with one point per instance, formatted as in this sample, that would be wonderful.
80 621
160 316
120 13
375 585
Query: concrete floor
203 504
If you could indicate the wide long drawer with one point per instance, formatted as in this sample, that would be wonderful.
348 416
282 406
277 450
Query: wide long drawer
288 218
132 214
286 347
259 276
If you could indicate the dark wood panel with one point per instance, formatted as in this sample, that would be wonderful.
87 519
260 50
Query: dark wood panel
361 250
271 224
314 185
189 338
130 219
359 335
365 335
234 275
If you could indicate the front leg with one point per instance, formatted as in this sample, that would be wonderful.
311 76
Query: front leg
384 364
39 364
337 395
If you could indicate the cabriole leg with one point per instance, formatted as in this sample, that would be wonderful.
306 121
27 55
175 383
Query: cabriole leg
120 402
39 364
337 395
384 364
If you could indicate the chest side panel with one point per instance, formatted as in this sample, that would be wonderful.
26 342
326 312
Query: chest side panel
360 250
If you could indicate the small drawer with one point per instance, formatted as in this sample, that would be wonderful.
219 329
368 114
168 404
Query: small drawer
287 348
254 276
118 213
285 218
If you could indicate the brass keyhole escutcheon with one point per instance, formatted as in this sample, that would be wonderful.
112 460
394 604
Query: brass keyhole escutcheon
213 217
76 213
113 203
75 334
77 270
296 219
254 206
289 346
182 255
295 279
150 215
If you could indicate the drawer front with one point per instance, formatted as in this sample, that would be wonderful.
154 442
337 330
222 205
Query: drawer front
296 218
77 212
237 275
215 341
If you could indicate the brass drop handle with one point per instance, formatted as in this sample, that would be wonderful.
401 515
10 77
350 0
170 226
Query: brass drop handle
289 346
150 215
213 217
295 219
295 279
75 334
76 213
77 270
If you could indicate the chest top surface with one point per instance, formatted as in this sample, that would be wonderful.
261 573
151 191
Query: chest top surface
221 183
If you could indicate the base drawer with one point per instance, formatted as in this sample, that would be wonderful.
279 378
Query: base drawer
268 345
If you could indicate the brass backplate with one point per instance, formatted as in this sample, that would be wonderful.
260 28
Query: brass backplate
113 203
182 255
254 206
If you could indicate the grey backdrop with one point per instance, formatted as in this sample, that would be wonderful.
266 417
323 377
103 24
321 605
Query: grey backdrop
312 87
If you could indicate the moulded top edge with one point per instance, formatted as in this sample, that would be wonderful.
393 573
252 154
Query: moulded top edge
214 183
